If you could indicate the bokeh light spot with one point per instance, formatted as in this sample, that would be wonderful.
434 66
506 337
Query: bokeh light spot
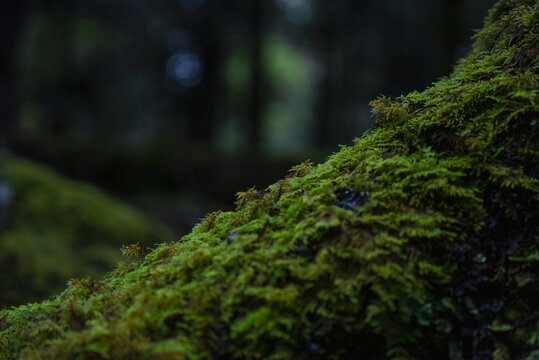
186 68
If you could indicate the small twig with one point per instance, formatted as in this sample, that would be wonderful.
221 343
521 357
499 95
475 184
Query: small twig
263 230
423 108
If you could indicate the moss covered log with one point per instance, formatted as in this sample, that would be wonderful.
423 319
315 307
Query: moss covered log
53 229
418 242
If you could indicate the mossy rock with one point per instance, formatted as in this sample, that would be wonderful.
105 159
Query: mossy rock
54 229
418 242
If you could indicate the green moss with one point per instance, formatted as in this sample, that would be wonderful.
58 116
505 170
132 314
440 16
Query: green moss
59 229
440 262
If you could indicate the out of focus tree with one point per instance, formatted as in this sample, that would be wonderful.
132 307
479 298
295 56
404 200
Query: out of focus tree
449 33
256 44
11 18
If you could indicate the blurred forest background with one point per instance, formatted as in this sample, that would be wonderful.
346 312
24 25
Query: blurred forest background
175 105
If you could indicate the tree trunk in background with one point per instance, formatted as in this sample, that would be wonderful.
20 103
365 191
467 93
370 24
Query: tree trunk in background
449 35
63 12
347 20
337 85
256 104
327 85
202 100
11 18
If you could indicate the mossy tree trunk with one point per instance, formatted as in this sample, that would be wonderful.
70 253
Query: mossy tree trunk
419 242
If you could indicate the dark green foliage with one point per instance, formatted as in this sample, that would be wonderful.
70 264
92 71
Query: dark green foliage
58 229
440 262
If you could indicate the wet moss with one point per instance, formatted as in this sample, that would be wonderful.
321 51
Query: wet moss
54 229
440 262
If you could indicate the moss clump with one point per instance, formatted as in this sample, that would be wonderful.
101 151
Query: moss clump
54 229
437 260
